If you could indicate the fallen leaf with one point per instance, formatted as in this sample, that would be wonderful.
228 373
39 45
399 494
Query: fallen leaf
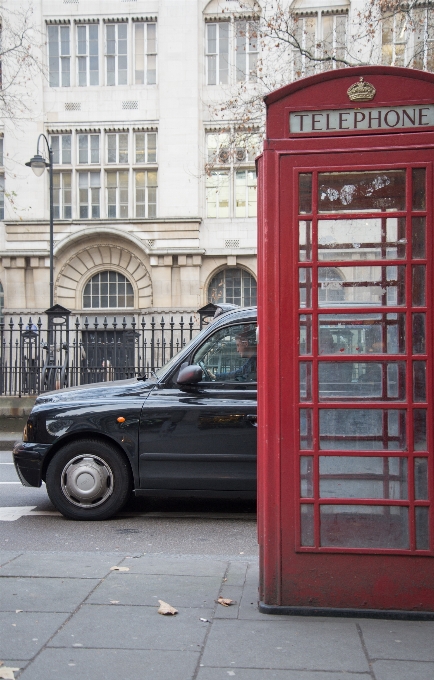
7 673
119 568
225 601
114 601
166 609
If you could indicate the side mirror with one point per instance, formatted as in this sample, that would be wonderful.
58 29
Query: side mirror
189 376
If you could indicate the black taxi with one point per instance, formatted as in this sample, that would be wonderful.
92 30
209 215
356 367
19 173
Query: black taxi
188 429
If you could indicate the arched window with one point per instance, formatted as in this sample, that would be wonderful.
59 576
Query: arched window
331 288
108 290
234 286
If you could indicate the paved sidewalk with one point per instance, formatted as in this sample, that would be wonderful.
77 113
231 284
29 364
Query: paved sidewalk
69 616
8 439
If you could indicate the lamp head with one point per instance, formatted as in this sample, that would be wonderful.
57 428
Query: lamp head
38 164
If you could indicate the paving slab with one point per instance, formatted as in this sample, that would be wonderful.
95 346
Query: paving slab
24 634
62 565
267 674
233 593
236 574
403 670
44 594
176 566
248 608
147 589
412 640
125 627
297 644
111 664
7 555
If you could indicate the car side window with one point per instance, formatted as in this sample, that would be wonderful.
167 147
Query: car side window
229 355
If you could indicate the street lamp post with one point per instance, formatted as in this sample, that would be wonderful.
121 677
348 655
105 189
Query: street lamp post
38 165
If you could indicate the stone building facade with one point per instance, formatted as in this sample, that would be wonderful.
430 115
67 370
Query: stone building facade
140 226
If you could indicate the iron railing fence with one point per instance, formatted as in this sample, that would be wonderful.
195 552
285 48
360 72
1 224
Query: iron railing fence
39 357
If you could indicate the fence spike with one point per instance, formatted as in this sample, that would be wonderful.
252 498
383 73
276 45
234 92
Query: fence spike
114 322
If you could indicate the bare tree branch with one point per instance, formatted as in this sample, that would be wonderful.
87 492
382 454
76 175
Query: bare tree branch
20 57
289 48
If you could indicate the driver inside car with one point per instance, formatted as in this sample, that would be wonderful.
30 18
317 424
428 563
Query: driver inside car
246 346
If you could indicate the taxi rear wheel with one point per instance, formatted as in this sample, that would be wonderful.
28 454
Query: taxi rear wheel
88 480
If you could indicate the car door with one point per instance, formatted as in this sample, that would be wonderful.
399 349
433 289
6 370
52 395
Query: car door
205 439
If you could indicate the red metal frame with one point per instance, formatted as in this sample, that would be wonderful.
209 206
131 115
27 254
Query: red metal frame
324 576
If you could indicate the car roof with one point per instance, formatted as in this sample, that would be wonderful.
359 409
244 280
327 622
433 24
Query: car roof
239 314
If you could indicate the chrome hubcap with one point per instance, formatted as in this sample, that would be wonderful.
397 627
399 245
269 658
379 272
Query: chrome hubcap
87 481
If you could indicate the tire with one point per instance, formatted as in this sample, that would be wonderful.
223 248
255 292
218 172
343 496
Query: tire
88 480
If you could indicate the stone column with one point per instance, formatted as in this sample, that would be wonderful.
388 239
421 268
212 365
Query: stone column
15 283
161 272
190 283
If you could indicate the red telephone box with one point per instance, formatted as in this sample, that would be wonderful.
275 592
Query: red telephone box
346 345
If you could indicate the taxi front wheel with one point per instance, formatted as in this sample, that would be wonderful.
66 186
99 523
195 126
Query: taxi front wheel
88 480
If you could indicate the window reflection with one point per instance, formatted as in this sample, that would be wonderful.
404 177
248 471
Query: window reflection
362 333
361 191
367 286
364 526
361 380
363 477
362 239
362 429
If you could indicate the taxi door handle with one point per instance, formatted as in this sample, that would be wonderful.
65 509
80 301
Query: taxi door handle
252 419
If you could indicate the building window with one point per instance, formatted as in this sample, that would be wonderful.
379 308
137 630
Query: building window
117 147
394 38
61 147
59 56
145 147
233 286
145 57
106 290
231 51
408 39
217 194
2 302
1 149
89 187
246 50
117 193
424 39
146 193
116 54
62 201
319 35
88 149
231 183
217 53
245 193
87 55
2 197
